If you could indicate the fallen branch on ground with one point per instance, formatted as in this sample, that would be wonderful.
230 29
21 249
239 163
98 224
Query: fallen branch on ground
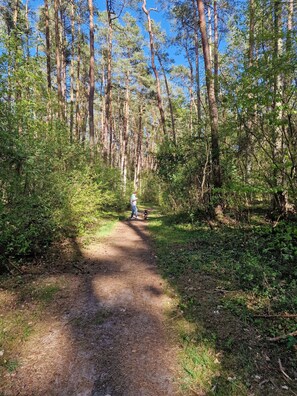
282 370
77 267
276 316
293 334
14 266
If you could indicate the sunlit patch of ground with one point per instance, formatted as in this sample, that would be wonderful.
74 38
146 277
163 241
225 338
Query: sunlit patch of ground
96 324
222 351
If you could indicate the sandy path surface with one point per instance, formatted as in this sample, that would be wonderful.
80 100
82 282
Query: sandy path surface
106 334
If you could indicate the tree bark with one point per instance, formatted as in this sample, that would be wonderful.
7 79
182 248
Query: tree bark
47 45
216 50
125 132
63 60
58 56
199 113
152 49
251 32
91 76
108 93
138 161
209 33
78 120
72 70
169 99
279 201
213 109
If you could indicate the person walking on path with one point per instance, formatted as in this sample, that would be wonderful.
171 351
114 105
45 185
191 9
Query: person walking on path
133 202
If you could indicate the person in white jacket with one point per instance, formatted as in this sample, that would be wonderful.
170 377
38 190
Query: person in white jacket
133 202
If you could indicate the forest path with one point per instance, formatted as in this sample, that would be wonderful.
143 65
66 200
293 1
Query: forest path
106 333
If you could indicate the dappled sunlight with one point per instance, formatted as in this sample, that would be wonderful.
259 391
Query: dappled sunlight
226 289
7 299
112 292
103 329
45 352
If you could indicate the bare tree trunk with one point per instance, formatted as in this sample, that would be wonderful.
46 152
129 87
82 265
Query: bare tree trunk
209 33
169 99
138 161
216 50
47 45
247 147
27 29
72 72
58 56
199 114
104 130
78 89
251 33
63 60
108 93
125 132
190 89
279 199
16 13
91 76
152 48
213 110
290 23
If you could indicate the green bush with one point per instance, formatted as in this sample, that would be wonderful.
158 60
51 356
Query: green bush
50 187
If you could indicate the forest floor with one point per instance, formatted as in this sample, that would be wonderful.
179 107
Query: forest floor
97 319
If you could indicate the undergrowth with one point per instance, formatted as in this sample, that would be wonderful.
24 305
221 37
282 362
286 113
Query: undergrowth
254 273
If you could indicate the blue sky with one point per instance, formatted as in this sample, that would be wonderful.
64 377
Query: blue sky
159 17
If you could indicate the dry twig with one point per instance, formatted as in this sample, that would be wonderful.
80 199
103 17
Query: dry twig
285 315
294 333
282 370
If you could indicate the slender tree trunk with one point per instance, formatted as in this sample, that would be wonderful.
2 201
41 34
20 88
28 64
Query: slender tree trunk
169 99
138 161
72 70
213 110
209 33
251 32
290 24
247 147
108 94
125 132
279 198
16 13
58 56
198 93
152 48
91 76
216 50
190 88
27 30
63 60
199 114
104 129
78 89
47 45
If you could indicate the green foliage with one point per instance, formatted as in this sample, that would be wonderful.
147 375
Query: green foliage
49 186
150 188
220 274
180 169
260 261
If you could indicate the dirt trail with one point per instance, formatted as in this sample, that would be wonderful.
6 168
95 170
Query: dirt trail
106 334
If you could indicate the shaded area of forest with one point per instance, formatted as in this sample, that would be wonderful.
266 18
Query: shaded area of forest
236 287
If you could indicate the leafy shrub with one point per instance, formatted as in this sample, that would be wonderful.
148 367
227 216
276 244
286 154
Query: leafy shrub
50 187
